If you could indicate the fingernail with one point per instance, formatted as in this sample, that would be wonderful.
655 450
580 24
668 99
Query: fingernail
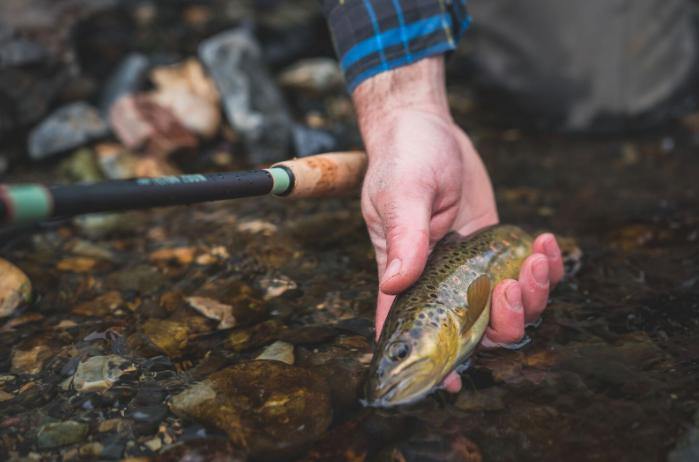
551 248
541 271
513 295
393 269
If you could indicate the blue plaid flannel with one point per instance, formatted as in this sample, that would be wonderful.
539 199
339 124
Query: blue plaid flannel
373 36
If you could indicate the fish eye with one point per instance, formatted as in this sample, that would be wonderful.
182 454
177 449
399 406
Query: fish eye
398 351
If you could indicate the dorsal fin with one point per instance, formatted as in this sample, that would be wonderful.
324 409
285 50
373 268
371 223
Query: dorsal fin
478 296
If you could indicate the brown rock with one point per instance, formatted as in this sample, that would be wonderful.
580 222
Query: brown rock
15 288
169 336
215 310
100 306
29 357
269 408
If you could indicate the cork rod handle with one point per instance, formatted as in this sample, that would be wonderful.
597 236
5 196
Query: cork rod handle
326 175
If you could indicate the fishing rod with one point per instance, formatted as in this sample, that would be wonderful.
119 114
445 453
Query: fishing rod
321 175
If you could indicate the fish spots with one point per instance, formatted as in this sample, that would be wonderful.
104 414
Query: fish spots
415 333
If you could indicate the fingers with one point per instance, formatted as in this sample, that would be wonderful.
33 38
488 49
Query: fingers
534 283
452 383
406 226
547 245
383 305
506 315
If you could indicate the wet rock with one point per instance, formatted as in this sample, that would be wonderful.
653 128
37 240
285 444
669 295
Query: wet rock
215 310
488 399
251 100
180 255
687 449
430 447
59 434
255 336
202 449
214 299
118 163
19 51
267 407
128 78
68 127
317 75
142 278
99 373
309 141
275 286
15 288
190 95
103 305
29 357
140 121
278 351
76 264
169 336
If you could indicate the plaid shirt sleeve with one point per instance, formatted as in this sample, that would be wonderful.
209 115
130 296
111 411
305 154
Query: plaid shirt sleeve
373 36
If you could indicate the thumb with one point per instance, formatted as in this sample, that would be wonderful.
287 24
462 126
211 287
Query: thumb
406 223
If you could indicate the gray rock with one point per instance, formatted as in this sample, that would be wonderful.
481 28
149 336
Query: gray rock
687 449
58 434
128 78
99 373
319 75
252 101
66 128
309 141
20 52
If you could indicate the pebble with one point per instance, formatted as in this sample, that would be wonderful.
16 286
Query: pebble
318 75
99 373
278 351
215 310
68 127
30 359
169 336
275 286
253 103
268 407
15 288
100 306
57 434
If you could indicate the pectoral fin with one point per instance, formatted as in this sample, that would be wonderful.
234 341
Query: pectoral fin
478 295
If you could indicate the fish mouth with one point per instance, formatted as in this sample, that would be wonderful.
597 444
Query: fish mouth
400 389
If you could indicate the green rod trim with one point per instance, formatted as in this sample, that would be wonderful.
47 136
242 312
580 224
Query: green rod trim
281 179
29 202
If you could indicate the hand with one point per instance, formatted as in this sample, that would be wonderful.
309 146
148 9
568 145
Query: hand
425 179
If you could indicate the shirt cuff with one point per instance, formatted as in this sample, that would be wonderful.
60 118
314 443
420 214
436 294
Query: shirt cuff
374 36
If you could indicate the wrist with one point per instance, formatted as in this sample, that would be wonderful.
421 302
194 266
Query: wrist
420 87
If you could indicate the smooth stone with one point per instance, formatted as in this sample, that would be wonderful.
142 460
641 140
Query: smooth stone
170 337
488 399
29 359
215 310
59 434
267 407
231 302
318 75
68 127
15 288
252 102
278 351
81 166
127 78
309 141
99 373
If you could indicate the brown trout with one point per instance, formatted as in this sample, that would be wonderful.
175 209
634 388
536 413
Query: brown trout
435 325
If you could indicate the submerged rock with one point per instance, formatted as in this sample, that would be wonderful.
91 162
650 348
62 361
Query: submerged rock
15 288
29 356
266 407
202 449
318 75
99 373
215 310
278 351
169 336
57 434
251 100
229 301
68 127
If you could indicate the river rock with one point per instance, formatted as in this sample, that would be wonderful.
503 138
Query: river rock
214 309
309 141
15 288
140 121
229 301
190 94
170 337
278 351
317 75
203 449
57 434
267 407
253 104
68 127
129 77
29 356
99 373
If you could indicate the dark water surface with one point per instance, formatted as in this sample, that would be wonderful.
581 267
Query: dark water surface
612 372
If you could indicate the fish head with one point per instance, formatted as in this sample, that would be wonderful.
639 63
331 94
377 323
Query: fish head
411 363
